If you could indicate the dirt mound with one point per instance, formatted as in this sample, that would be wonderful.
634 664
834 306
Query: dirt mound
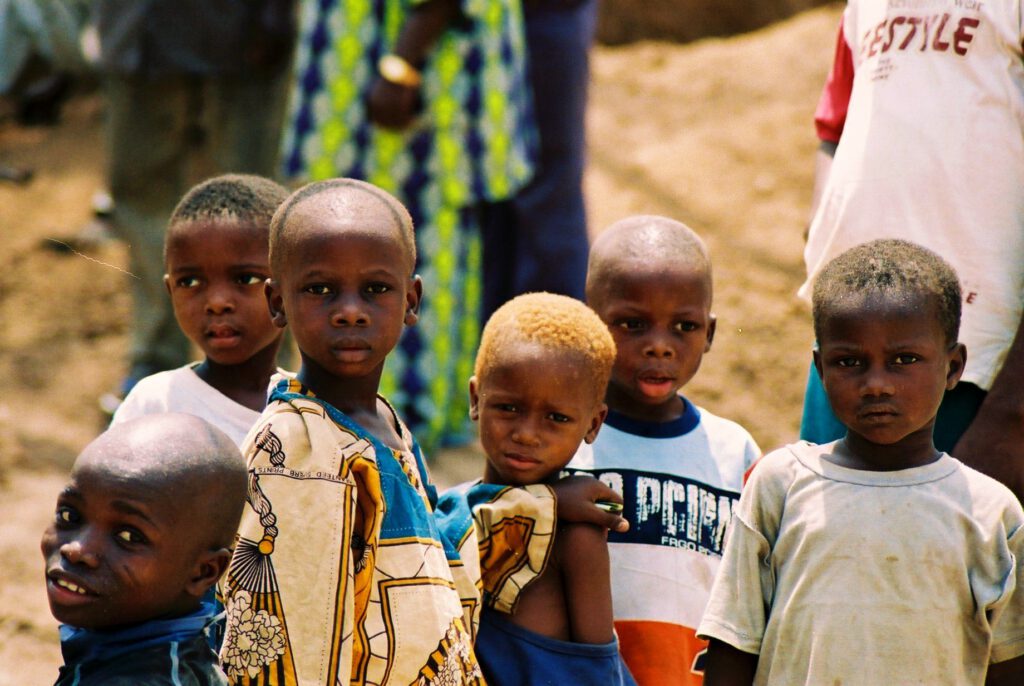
682 21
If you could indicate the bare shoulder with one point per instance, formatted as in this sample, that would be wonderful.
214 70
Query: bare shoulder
579 540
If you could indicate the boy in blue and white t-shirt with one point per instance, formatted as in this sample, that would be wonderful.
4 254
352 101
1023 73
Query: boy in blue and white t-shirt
679 468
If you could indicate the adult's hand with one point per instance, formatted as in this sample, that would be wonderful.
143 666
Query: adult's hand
994 442
392 106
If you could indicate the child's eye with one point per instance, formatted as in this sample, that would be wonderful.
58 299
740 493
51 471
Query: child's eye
318 289
250 279
187 282
378 288
631 324
686 326
66 516
505 407
906 358
847 362
129 535
559 417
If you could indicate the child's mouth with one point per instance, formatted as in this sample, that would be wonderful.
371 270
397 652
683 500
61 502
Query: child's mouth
65 591
656 386
222 336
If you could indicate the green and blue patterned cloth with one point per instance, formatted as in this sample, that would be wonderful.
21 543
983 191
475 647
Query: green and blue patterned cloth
473 142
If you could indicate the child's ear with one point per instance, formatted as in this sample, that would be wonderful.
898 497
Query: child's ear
474 400
413 296
957 362
275 301
712 325
208 570
595 423
167 283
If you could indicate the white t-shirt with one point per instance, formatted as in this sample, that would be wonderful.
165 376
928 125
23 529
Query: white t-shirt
680 481
837 575
932 151
181 390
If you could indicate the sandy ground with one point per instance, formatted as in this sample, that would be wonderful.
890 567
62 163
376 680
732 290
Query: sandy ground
716 133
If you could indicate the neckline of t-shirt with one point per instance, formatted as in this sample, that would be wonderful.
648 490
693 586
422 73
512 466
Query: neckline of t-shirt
813 457
241 409
680 426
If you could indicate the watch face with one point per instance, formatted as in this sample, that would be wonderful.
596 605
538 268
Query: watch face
396 70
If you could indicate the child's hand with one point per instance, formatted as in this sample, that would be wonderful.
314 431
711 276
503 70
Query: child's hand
577 496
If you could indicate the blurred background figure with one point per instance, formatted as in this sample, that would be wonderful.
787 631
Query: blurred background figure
429 101
537 240
194 88
39 53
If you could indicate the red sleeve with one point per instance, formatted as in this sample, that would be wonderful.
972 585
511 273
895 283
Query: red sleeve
830 116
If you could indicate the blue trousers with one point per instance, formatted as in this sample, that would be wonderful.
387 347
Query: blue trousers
957 411
537 241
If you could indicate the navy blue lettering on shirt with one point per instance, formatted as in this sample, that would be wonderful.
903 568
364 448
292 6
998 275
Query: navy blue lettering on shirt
669 510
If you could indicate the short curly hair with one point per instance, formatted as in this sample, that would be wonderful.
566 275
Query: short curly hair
893 268
244 197
556 322
359 192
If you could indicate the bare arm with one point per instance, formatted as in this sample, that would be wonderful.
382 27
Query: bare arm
994 442
586 579
822 167
1009 673
728 666
392 105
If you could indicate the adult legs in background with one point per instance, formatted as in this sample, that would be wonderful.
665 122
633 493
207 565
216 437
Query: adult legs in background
164 135
537 241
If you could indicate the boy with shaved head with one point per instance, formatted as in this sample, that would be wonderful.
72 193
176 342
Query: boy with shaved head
679 467
142 531
340 574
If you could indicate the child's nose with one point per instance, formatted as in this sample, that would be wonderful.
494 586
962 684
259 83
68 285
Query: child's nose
80 551
877 383
525 432
219 301
350 312
659 345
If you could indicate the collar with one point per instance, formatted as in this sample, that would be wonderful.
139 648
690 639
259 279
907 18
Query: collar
680 426
84 645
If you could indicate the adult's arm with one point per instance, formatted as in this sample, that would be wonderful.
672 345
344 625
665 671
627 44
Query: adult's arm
830 115
392 105
994 442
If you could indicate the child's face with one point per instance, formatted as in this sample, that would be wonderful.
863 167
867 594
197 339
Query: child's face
119 551
215 275
534 407
659 315
885 366
346 295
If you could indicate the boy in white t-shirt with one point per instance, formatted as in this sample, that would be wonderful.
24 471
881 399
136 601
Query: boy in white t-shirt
875 559
216 255
679 468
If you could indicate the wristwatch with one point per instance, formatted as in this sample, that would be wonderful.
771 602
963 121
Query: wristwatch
396 70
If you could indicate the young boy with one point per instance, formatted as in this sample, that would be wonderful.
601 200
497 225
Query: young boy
875 559
537 393
340 574
679 468
142 531
215 253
